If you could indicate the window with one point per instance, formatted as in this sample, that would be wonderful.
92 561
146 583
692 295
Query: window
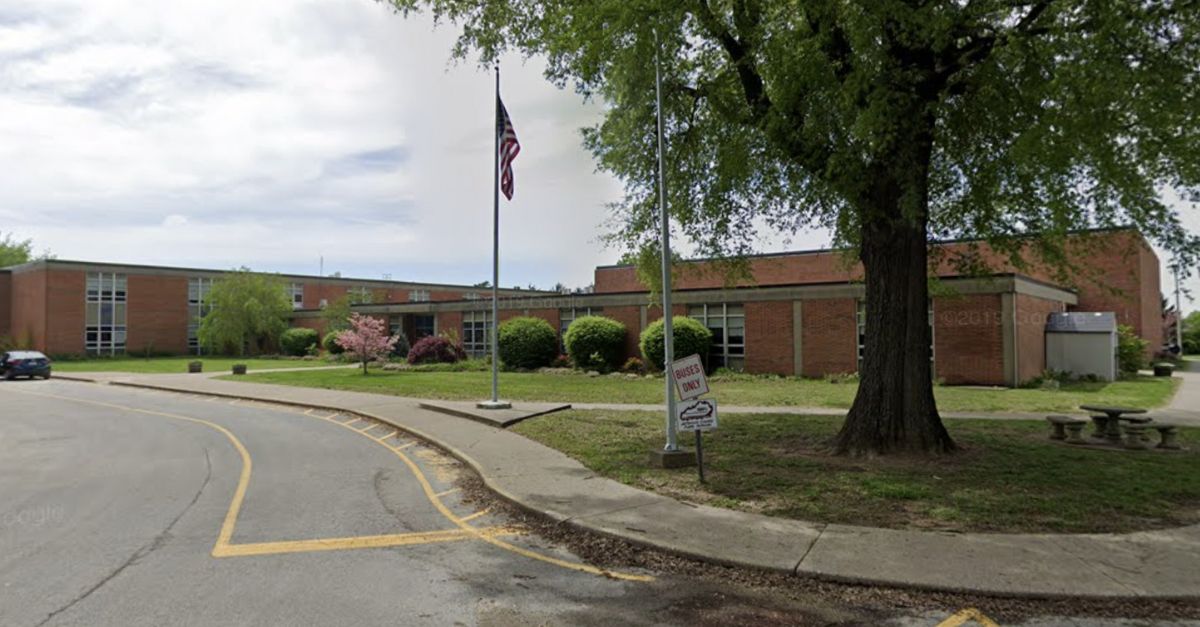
418 296
477 328
198 288
728 326
861 324
297 296
568 315
105 314
471 296
423 326
359 295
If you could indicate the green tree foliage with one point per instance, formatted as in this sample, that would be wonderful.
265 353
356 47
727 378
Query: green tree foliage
330 344
249 310
527 342
296 341
886 121
1131 350
691 338
595 342
336 315
1191 333
15 252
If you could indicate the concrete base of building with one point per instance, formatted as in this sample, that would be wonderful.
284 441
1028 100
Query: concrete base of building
494 405
681 458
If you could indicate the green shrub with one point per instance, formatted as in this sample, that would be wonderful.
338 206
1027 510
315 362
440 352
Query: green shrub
633 365
527 342
691 338
295 341
330 343
595 342
1131 350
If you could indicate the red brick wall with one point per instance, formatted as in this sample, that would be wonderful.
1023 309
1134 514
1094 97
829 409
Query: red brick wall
1031 313
769 345
450 322
1151 313
29 309
157 313
829 340
630 317
66 292
5 304
968 343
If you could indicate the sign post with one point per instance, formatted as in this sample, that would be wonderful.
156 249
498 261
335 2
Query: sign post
693 413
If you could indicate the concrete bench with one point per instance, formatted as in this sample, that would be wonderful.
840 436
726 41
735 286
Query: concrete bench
1168 434
1066 428
1135 436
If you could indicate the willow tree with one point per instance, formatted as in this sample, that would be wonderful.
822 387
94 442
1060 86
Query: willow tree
889 122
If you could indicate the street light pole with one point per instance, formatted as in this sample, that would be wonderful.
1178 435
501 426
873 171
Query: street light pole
664 223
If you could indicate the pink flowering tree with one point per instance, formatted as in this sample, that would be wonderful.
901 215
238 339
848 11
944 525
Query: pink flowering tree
366 339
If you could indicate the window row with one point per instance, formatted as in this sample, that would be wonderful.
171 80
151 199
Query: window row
105 313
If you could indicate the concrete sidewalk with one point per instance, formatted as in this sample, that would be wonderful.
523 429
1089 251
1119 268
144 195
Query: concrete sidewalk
1153 564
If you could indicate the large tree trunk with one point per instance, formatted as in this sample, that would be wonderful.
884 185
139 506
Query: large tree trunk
894 410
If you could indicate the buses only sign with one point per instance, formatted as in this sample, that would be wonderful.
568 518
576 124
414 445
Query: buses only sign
688 374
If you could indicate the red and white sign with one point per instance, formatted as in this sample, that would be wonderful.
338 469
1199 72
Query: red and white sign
688 374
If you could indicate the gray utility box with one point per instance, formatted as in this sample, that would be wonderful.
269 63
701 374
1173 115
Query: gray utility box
1082 343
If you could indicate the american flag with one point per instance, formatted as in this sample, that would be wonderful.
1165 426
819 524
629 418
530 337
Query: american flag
509 147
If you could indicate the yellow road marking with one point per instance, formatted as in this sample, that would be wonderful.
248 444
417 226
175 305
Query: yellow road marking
224 548
454 518
239 493
450 491
388 436
373 425
969 613
476 514
357 542
352 422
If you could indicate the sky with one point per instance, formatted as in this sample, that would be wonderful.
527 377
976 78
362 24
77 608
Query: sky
274 133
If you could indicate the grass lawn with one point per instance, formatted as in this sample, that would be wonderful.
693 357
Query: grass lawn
156 365
1008 478
745 391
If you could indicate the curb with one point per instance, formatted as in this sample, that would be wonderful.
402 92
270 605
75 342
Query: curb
649 543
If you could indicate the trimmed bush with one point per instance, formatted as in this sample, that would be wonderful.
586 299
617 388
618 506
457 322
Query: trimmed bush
595 343
1131 350
633 365
691 337
527 342
331 345
295 341
435 349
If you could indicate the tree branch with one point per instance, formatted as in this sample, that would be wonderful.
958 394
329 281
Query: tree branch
739 53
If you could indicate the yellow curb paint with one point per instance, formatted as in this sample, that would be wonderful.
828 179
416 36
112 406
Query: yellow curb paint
967 614
476 515
356 542
452 517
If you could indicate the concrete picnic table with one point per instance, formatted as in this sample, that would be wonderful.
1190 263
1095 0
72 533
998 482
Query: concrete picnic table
1112 428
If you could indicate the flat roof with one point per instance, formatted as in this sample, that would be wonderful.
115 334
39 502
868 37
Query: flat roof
149 269
826 251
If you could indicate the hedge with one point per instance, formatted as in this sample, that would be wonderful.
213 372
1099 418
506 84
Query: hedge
527 342
330 343
435 349
595 342
691 338
295 341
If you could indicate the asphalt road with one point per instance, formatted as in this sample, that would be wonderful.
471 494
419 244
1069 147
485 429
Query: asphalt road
128 507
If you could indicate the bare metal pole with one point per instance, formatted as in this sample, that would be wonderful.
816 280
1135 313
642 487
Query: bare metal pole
1178 312
664 219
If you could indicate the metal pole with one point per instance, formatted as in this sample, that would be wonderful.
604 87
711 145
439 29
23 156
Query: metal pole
668 328
496 249
1178 312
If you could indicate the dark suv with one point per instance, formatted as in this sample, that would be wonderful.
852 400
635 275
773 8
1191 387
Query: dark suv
24 364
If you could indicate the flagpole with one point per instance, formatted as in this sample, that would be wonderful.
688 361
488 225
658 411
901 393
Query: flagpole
495 402
496 250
